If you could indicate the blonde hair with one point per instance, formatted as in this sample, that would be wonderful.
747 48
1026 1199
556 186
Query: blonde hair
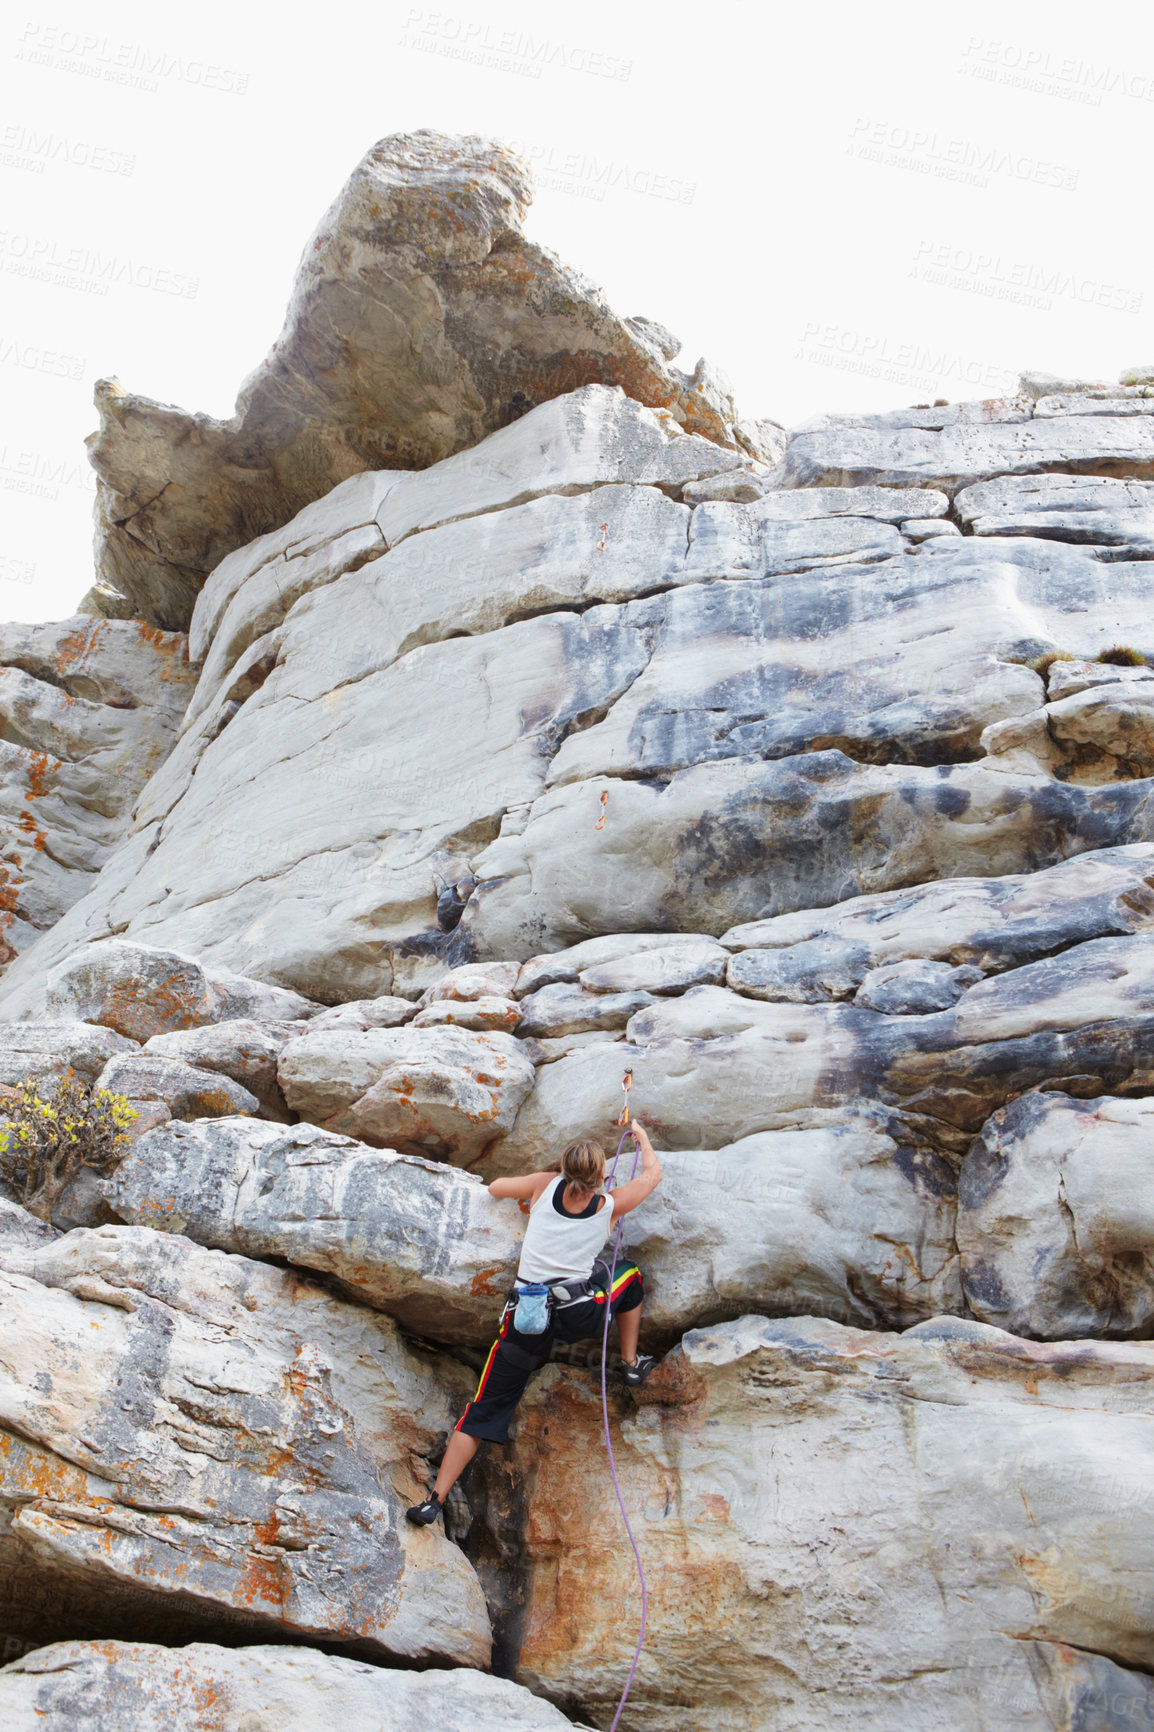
583 1167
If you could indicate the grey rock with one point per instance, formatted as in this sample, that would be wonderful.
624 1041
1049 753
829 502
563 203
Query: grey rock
1065 678
959 455
422 1241
926 528
995 923
810 972
46 1050
445 1092
187 1091
362 1013
88 711
1055 1219
713 1067
138 1687
482 1013
196 1444
915 988
242 1049
562 1009
1073 508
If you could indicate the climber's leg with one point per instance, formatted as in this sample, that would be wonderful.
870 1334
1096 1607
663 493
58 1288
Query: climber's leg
462 1448
628 1329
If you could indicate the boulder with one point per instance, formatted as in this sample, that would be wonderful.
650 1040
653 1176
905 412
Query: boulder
563 1009
1075 508
914 987
1055 1219
940 1529
445 1092
142 1687
244 1050
187 1091
48 1050
678 964
141 990
195 1444
1065 677
422 1241
482 1013
957 455
420 321
1094 737
362 1013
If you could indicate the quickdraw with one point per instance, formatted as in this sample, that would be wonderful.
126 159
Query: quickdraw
600 824
623 1115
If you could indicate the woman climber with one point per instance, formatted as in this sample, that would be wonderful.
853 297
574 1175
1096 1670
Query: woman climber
570 1216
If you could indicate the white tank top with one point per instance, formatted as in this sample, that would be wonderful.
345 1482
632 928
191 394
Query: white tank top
560 1247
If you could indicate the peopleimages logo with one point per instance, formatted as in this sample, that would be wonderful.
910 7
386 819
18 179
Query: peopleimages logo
136 65
83 269
591 177
477 42
877 355
1023 66
1021 282
31 358
920 150
25 148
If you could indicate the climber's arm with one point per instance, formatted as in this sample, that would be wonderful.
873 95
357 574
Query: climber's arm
526 1188
628 1196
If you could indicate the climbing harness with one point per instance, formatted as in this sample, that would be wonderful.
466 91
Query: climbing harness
626 1133
600 824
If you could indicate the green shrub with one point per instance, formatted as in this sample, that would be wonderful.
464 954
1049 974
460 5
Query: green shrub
48 1139
1122 656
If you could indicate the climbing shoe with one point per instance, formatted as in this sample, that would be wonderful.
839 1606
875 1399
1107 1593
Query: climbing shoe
639 1370
423 1513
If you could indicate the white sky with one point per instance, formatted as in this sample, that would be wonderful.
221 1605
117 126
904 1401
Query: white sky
844 207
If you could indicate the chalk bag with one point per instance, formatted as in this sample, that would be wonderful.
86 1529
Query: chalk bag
532 1314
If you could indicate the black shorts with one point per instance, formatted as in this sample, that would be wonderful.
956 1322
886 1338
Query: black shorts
513 1357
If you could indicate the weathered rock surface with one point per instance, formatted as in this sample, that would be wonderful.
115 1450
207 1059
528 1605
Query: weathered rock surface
942 1531
420 321
194 1443
1102 735
358 757
47 1050
185 1089
713 1066
141 991
419 1240
446 1092
134 1687
1055 1220
244 1050
88 711
783 1222
1073 508
958 454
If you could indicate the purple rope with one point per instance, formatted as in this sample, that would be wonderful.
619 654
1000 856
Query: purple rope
609 1440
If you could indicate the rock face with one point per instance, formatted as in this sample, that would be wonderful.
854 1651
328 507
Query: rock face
195 1441
132 1687
421 320
1054 1221
88 710
943 1531
554 730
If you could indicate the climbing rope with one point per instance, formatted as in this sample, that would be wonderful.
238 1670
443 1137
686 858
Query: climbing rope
623 1119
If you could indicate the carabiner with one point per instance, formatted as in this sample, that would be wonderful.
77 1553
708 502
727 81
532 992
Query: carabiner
623 1115
600 824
